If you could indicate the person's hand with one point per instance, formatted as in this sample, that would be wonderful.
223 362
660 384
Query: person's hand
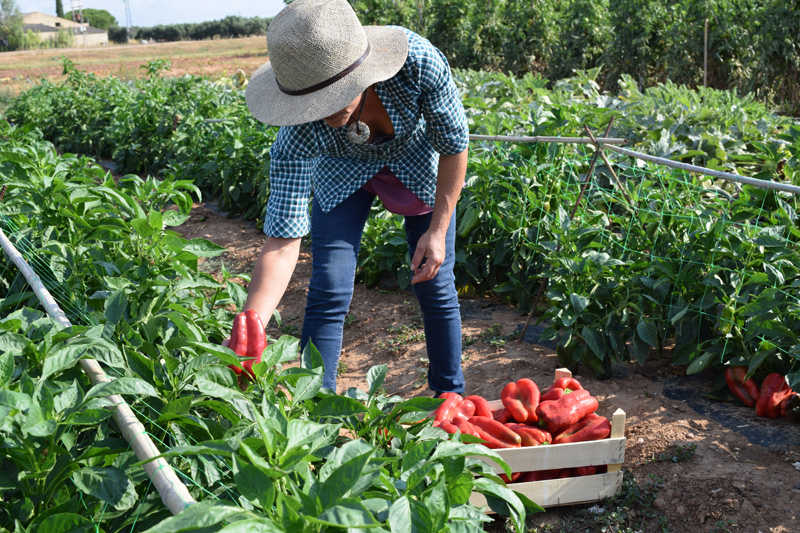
428 257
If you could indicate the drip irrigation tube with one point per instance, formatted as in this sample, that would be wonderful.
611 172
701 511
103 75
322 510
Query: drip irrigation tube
174 494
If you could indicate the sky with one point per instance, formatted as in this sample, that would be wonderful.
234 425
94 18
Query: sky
152 12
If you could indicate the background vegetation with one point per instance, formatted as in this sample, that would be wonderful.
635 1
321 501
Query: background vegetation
752 44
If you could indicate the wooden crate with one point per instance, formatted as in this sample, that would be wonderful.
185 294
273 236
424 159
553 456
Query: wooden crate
572 490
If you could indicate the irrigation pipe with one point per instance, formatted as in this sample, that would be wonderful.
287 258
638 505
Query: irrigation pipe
174 494
611 142
543 139
730 176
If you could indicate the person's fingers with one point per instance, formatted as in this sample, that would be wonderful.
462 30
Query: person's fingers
428 270
416 260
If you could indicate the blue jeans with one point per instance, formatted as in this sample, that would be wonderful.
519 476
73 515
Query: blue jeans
335 241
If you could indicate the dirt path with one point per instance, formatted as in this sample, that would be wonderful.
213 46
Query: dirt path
691 464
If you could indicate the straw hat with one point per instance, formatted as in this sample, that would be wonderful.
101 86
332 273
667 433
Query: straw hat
321 59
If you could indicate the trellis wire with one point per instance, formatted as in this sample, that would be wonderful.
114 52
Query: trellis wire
173 492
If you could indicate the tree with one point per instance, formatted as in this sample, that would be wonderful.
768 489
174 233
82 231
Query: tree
11 33
59 9
97 18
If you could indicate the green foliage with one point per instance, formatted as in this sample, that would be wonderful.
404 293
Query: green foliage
59 8
587 268
229 27
97 18
279 453
751 43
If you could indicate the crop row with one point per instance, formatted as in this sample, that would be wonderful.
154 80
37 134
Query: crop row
618 265
282 455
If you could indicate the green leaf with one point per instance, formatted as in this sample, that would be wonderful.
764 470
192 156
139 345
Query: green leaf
342 479
204 248
337 406
115 307
197 516
16 400
253 525
700 363
579 303
503 501
13 343
155 220
108 484
223 353
65 356
400 520
594 341
375 378
648 332
349 513
123 385
6 368
172 217
65 523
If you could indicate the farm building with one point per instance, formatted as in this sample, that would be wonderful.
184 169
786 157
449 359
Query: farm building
46 27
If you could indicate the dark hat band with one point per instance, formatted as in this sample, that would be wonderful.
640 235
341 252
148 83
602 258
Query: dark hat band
325 83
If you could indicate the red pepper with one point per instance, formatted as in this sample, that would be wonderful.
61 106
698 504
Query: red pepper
448 427
745 390
514 476
481 405
560 387
530 435
501 415
489 441
556 415
521 399
247 340
447 395
790 406
453 409
495 429
463 411
540 475
590 427
445 411
774 390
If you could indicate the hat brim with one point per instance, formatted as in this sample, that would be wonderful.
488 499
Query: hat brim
268 104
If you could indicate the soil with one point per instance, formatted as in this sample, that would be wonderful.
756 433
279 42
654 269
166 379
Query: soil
691 464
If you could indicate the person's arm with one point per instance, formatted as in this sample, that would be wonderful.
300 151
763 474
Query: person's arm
271 275
431 245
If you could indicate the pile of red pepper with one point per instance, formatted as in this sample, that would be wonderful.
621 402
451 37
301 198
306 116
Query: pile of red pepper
563 413
773 399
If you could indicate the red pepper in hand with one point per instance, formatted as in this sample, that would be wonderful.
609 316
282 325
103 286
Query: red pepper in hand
521 399
481 405
774 390
508 437
247 340
745 390
557 415
530 435
590 427
560 387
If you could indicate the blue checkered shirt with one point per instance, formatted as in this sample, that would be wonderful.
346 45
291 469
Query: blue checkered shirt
428 119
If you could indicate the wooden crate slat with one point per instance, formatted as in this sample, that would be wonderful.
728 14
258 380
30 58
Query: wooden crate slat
572 454
566 491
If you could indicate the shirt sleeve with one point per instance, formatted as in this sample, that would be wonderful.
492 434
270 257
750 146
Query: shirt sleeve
445 120
292 161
